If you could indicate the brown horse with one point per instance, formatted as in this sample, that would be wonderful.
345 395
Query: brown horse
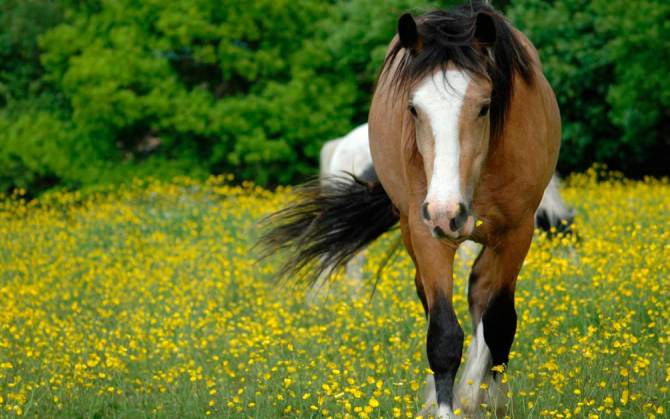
464 133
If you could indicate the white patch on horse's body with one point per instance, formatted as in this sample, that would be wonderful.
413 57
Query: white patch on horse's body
553 206
326 155
349 154
441 98
551 200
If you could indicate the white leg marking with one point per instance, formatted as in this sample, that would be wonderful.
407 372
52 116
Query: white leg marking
445 412
469 394
430 405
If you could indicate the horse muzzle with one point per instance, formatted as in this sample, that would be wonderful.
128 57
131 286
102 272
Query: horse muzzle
448 221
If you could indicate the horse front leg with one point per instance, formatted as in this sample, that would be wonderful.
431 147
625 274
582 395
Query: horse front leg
444 343
491 298
407 240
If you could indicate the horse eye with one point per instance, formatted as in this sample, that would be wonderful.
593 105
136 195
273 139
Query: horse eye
484 110
412 110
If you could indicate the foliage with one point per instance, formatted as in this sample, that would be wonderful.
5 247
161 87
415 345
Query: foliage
608 63
21 22
118 89
150 302
640 98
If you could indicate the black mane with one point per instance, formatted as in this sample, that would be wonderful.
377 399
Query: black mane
450 36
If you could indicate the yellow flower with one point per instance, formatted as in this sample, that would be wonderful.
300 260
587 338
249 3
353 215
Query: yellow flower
624 397
153 289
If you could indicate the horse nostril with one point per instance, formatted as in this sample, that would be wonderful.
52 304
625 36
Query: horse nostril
439 232
462 209
459 219
424 211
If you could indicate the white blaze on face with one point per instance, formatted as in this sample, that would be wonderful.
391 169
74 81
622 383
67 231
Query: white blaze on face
440 97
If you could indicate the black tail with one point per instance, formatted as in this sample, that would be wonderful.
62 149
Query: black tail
333 220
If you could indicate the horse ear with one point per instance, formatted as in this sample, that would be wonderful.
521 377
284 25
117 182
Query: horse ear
485 29
409 35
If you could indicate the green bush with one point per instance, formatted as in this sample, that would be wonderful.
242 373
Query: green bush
97 92
21 23
608 62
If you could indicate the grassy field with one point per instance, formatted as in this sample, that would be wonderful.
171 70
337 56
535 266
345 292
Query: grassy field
148 302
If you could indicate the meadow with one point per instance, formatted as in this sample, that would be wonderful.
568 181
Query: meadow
148 301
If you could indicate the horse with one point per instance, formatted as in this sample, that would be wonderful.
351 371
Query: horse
464 133
351 154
